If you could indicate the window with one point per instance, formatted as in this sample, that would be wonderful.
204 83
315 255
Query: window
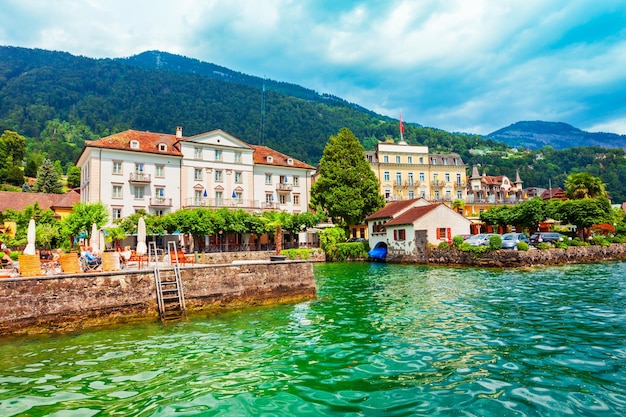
270 159
238 197
162 147
421 160
218 154
387 194
159 192
398 178
134 144
447 177
289 161
160 171
238 177
268 179
422 177
219 198
386 159
448 195
269 198
296 181
445 161
459 195
409 159
443 233
237 156
411 194
296 199
197 153
399 234
139 168
410 178
116 213
458 179
197 174
423 193
386 176
218 175
117 167
397 159
138 192
436 194
158 212
117 191
283 199
197 197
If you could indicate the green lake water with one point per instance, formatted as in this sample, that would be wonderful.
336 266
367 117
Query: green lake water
379 340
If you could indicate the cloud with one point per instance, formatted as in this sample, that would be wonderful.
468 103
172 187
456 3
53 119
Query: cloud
457 65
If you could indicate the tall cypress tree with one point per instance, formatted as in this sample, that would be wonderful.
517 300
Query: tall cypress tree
347 188
48 179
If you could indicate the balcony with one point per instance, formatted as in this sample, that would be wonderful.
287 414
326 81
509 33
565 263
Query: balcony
221 202
460 184
438 183
161 202
284 187
411 184
139 178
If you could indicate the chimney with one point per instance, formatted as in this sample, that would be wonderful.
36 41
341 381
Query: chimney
179 132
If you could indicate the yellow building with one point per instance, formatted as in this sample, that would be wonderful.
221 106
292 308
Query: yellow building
406 172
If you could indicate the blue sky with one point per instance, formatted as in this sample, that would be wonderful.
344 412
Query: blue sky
459 65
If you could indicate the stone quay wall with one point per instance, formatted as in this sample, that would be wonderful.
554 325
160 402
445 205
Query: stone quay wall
72 302
531 258
228 257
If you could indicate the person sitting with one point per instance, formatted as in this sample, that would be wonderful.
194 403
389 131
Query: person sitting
6 259
92 259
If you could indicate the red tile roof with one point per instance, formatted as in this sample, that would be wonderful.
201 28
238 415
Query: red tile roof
148 142
393 207
411 215
18 201
278 159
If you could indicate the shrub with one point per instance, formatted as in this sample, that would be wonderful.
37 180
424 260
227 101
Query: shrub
465 247
577 242
351 250
297 253
457 241
523 246
542 245
600 241
443 245
495 242
561 245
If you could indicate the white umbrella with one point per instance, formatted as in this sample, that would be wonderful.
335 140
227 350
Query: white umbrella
94 240
101 242
141 249
30 247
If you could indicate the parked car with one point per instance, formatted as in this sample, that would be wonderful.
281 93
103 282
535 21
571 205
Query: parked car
481 239
546 237
356 239
510 240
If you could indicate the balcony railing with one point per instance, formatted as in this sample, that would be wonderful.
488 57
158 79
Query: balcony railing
161 202
139 177
221 202
284 187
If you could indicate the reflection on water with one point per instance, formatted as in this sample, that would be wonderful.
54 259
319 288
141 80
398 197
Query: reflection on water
379 340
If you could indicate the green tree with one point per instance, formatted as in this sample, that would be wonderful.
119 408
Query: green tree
73 176
48 179
584 185
585 212
82 217
347 188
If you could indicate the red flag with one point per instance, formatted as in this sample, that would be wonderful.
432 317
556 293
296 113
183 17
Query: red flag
401 125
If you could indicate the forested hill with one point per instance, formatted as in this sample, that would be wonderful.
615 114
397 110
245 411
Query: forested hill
57 100
536 134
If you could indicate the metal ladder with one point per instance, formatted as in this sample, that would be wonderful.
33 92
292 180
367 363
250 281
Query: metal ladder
169 288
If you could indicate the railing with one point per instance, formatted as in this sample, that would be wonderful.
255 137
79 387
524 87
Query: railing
161 202
221 202
284 187
139 177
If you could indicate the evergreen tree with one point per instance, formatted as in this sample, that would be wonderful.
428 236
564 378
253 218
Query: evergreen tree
347 188
48 179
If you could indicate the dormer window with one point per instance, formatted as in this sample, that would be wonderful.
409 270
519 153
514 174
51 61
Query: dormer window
134 144
270 158
162 147
290 161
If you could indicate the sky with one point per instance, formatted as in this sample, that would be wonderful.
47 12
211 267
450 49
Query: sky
459 65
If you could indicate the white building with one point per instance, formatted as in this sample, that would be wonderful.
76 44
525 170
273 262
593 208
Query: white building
160 173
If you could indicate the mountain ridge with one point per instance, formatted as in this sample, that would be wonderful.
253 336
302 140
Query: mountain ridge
537 134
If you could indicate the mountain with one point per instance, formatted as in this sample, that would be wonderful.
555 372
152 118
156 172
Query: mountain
537 134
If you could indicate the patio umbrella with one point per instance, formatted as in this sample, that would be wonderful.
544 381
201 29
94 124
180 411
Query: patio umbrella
30 247
141 249
94 240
